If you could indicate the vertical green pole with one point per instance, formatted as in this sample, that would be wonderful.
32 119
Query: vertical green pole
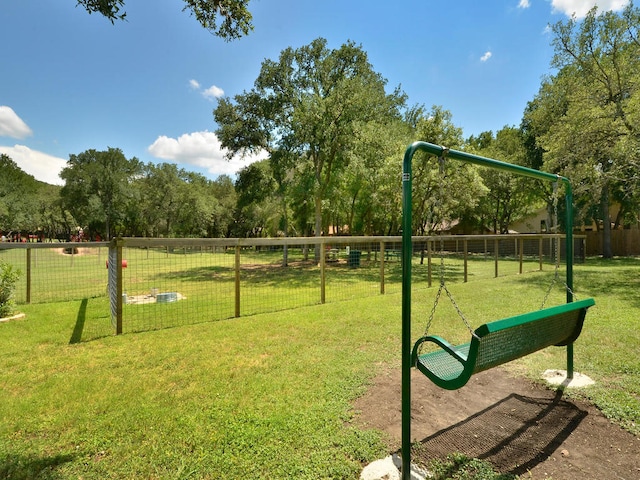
237 281
382 254
323 274
407 250
520 253
568 196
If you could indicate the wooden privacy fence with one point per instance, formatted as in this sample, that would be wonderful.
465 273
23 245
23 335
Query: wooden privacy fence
147 284
624 243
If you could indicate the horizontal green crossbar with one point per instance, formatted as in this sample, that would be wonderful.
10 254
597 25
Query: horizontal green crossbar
499 342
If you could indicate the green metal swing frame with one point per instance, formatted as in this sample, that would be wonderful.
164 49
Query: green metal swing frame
494 343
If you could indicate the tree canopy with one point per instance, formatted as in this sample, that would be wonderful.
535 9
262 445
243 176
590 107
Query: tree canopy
97 187
586 118
311 107
26 203
228 19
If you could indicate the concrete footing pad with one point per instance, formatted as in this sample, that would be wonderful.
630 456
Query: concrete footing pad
559 377
389 469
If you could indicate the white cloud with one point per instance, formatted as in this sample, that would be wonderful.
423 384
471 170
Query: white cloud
486 56
209 93
201 149
582 7
524 4
213 92
42 166
11 125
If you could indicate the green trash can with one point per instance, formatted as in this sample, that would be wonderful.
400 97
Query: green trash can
354 258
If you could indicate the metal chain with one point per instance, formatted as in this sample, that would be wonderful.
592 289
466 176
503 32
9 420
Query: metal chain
443 286
455 305
433 310
556 250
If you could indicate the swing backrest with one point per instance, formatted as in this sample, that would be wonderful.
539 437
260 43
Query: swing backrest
505 340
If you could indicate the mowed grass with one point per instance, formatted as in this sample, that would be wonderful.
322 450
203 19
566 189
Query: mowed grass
262 397
269 395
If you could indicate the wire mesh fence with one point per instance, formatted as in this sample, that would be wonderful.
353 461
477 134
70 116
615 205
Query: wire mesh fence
55 272
140 284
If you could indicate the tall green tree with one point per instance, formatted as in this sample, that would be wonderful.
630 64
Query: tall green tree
16 187
509 197
161 187
223 193
255 196
441 193
26 204
174 202
228 19
587 116
98 188
310 105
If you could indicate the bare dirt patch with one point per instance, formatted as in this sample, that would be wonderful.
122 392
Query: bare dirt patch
79 251
518 426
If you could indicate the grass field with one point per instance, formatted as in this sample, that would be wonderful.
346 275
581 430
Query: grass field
267 395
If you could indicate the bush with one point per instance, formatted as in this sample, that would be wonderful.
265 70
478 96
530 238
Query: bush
8 278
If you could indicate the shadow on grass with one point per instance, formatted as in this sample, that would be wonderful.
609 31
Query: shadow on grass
28 467
76 336
93 321
515 434
199 274
307 274
617 278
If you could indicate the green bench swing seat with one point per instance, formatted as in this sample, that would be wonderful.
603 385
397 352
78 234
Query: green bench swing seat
498 342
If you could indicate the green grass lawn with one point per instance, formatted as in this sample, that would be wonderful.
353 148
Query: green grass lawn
268 395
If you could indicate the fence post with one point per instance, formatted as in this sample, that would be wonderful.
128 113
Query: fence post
28 275
520 248
465 246
382 268
119 243
114 272
496 246
237 282
540 253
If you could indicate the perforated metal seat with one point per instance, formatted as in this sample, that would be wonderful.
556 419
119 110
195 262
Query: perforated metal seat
499 342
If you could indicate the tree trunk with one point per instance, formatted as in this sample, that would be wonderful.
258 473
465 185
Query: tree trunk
607 251
285 253
318 232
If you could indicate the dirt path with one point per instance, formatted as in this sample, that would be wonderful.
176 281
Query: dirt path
519 427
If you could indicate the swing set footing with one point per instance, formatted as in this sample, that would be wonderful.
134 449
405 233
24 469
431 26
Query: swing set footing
389 468
559 378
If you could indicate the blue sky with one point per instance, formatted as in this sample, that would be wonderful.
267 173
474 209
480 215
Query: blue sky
70 81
